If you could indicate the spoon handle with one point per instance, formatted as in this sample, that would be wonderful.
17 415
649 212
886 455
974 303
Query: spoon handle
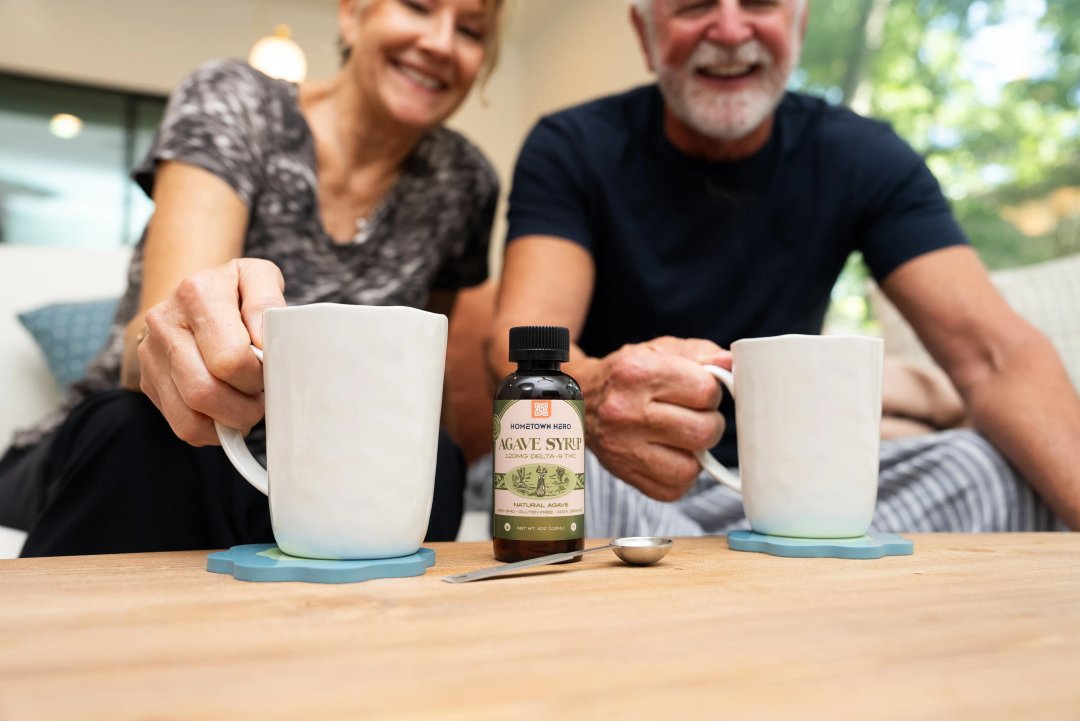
511 567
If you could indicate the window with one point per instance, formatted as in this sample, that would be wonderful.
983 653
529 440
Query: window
66 183
987 90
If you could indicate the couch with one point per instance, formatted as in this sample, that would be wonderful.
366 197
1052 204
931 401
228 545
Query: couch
31 277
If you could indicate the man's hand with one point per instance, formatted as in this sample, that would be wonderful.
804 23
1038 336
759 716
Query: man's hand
649 407
195 362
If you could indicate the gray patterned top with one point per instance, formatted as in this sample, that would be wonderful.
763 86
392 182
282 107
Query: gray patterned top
431 231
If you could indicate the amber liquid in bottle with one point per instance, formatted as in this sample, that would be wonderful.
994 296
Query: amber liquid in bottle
537 380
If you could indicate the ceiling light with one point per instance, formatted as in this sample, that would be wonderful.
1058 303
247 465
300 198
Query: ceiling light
279 56
65 125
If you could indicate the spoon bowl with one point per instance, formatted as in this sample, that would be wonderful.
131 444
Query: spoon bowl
641 550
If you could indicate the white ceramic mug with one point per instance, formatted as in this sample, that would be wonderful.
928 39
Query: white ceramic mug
353 396
808 415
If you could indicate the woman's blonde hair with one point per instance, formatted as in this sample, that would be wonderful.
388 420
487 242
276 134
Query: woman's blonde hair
492 36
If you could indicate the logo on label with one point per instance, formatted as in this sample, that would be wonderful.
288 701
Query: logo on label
541 409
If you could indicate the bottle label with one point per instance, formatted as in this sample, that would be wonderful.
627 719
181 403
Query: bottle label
539 470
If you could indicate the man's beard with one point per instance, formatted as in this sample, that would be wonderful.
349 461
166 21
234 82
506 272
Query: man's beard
725 115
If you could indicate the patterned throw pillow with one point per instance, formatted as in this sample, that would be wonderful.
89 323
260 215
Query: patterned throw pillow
70 335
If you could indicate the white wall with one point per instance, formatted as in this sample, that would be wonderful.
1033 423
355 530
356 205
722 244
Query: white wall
584 49
149 45
557 52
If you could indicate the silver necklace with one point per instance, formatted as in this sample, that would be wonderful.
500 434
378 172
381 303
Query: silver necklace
365 227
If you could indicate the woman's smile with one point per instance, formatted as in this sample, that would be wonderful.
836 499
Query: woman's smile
425 79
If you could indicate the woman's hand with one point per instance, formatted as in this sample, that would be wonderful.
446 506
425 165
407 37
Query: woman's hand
194 359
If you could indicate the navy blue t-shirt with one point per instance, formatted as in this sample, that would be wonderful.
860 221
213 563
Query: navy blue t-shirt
722 250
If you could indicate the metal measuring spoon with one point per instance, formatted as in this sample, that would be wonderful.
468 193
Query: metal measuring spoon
635 550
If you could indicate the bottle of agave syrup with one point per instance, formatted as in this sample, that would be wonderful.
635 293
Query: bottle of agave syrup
538 462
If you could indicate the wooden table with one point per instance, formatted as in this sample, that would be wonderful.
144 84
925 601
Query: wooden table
971 626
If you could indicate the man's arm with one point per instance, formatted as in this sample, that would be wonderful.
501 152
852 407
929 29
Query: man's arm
1012 382
648 406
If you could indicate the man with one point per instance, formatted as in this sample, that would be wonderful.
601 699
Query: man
662 224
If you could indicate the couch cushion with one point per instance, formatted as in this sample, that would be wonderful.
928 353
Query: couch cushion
70 334
31 277
1048 296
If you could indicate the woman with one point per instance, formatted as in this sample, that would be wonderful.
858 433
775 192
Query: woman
266 193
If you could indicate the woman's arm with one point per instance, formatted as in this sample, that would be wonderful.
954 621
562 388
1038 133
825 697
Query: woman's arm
202 305
442 301
199 223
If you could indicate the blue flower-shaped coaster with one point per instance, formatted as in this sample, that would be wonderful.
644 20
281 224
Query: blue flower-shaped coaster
266 562
872 545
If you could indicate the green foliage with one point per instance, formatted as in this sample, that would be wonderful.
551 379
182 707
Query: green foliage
998 133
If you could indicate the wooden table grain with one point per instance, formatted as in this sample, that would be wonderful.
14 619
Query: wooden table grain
971 626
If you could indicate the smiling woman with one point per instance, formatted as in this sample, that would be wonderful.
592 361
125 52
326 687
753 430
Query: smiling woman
416 58
348 190
489 31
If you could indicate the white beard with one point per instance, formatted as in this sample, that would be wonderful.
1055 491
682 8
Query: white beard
720 115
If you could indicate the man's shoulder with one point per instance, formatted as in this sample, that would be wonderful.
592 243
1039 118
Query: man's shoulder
614 105
807 117
613 115
811 125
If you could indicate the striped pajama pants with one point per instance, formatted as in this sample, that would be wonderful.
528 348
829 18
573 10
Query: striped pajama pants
948 481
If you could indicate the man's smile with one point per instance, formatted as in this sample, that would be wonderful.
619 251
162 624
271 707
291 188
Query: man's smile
726 71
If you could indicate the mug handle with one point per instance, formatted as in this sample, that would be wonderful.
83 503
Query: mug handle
710 464
232 442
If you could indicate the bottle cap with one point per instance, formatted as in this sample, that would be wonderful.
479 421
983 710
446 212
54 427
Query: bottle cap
540 342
